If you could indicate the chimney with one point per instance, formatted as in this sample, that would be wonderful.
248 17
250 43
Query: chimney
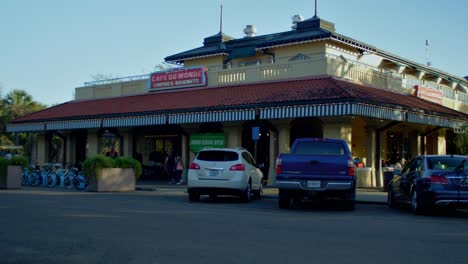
295 19
250 31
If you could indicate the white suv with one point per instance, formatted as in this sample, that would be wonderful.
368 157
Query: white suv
230 171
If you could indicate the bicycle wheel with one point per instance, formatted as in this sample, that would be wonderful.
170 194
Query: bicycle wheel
25 178
35 178
68 179
51 179
80 181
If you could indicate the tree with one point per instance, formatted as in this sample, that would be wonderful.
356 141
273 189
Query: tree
461 141
15 104
18 103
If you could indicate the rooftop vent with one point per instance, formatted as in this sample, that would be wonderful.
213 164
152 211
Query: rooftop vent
295 19
250 31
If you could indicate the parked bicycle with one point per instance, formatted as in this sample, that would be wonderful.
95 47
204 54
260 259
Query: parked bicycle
31 176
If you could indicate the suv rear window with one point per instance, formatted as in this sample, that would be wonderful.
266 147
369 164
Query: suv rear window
444 163
319 148
217 155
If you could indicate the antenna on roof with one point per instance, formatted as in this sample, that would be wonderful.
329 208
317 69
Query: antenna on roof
428 62
315 15
221 19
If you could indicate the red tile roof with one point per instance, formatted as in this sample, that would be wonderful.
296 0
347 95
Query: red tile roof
304 91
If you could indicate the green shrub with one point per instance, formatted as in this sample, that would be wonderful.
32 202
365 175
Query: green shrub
19 160
92 164
129 162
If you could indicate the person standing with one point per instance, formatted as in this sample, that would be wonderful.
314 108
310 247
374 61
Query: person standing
179 169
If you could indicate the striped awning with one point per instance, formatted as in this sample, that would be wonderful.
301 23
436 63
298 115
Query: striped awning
74 124
135 121
216 116
358 109
25 128
340 109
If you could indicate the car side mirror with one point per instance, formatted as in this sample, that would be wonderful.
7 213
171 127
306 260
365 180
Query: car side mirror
261 165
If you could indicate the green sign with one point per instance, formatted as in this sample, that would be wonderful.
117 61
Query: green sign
199 141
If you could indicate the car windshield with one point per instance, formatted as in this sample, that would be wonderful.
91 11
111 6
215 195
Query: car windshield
444 163
217 155
319 148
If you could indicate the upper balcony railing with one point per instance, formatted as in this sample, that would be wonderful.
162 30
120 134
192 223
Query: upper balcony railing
118 80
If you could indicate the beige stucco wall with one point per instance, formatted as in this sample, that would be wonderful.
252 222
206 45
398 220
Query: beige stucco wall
339 131
93 143
233 136
41 149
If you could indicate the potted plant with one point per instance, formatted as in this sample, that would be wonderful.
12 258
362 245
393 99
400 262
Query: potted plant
111 175
11 171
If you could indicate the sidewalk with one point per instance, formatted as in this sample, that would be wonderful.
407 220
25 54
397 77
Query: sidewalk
363 195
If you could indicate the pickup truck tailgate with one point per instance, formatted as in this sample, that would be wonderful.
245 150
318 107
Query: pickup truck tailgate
308 165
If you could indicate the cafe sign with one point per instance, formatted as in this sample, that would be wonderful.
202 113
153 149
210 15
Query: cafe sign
428 94
177 78
207 140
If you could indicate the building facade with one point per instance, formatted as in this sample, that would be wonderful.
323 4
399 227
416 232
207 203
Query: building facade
261 93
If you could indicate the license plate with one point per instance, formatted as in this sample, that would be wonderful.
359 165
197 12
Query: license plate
313 184
214 173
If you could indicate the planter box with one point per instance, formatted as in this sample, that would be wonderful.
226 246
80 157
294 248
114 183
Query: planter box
12 179
113 180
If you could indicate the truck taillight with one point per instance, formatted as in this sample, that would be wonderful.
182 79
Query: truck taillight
278 169
350 167
237 167
194 166
438 179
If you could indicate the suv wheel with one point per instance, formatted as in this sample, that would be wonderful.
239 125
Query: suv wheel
246 195
284 199
259 193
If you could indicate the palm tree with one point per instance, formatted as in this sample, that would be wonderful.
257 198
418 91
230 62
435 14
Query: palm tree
15 104
18 103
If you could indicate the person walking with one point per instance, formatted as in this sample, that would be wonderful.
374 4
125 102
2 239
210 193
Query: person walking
179 169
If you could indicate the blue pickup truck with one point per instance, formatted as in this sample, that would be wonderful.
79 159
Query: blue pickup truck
316 168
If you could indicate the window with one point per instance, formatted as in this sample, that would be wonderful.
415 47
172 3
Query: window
444 163
217 155
319 148
248 158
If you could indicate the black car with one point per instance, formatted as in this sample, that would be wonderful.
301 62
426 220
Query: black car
430 181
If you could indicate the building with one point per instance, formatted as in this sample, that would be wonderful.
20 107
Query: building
261 93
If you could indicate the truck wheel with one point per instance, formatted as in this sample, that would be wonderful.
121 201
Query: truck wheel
284 199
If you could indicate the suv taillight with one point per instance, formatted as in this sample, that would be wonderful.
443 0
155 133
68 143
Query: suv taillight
438 179
194 166
350 167
237 167
278 168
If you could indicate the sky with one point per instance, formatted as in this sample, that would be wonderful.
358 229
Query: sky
50 47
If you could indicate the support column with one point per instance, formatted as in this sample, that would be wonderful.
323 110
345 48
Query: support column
127 144
41 149
273 155
371 146
233 136
339 131
441 143
92 143
284 138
